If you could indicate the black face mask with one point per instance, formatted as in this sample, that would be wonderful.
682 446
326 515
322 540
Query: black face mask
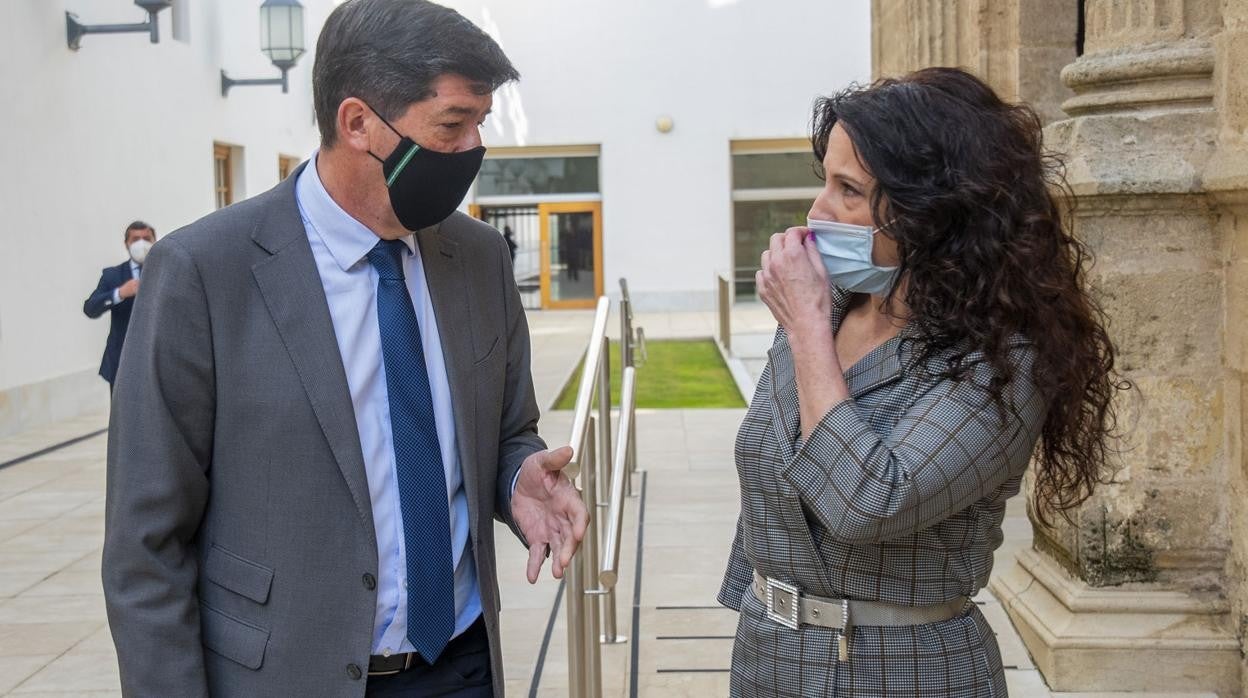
427 186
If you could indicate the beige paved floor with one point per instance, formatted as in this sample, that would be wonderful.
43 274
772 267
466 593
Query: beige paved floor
54 639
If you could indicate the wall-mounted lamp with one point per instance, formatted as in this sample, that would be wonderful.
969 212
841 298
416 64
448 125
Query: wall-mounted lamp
281 39
75 29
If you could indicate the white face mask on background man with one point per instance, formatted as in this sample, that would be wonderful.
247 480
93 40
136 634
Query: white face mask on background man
138 250
846 253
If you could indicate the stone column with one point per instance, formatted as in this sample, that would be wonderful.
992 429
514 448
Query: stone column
1226 179
1016 46
1137 592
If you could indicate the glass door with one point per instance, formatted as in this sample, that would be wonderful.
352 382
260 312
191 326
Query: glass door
571 244
521 227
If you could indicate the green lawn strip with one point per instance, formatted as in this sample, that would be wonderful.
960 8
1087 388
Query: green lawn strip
676 374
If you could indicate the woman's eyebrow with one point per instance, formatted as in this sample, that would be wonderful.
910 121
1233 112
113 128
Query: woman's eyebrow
848 180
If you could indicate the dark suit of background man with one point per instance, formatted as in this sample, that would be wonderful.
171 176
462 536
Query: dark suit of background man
115 293
325 411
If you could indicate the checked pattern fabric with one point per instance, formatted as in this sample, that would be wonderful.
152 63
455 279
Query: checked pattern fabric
898 495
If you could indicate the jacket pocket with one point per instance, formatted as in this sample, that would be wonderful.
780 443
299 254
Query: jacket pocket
232 638
238 575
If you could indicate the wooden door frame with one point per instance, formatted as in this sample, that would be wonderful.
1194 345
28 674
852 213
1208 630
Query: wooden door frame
544 211
223 153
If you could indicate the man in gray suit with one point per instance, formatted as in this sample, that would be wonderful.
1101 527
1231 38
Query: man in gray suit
325 410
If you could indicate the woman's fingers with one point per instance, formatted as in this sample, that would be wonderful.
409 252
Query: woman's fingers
776 244
795 237
812 254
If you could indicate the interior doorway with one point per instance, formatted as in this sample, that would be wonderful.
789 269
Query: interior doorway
557 252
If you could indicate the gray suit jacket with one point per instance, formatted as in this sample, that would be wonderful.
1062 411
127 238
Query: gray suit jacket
239 552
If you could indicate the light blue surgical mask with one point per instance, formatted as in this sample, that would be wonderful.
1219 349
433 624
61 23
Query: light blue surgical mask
846 253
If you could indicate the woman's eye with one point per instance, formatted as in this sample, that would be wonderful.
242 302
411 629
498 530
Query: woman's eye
848 190
451 126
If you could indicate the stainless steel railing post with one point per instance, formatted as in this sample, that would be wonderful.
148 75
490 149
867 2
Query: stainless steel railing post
604 419
584 663
587 562
632 430
575 615
626 333
724 287
608 571
626 361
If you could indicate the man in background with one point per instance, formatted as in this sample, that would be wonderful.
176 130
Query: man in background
116 291
510 238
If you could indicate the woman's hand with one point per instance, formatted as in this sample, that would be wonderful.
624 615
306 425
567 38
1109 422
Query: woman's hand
793 282
794 285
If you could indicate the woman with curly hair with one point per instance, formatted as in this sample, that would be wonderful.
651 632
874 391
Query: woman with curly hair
935 337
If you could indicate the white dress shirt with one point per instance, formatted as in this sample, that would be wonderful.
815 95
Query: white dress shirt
135 270
340 244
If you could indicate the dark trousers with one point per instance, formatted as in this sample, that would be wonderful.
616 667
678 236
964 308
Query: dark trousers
463 671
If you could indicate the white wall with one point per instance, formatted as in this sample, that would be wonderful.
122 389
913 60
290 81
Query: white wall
602 71
121 129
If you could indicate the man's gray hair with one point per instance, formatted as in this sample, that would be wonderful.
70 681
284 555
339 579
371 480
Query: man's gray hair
388 53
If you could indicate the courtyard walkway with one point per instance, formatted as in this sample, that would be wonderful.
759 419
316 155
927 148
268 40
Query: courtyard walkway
54 638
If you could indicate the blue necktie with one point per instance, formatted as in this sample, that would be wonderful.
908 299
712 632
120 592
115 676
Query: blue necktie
417 458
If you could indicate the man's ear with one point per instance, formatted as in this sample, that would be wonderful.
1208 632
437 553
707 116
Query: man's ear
353 124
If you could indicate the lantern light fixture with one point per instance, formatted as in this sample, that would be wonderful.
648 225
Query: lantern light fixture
75 30
281 39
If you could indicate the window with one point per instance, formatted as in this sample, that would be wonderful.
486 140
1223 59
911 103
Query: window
527 176
544 199
773 185
223 174
285 165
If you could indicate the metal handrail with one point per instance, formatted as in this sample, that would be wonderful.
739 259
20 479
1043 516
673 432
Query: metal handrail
724 298
583 611
609 570
585 392
590 610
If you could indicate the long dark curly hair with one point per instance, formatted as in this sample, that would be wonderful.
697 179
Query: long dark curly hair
975 204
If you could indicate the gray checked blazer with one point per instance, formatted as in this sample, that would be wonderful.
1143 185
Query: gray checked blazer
897 496
240 557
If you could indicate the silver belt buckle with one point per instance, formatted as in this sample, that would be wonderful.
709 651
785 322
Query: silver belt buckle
782 601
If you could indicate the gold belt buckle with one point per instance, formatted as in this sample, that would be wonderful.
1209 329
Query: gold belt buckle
782 601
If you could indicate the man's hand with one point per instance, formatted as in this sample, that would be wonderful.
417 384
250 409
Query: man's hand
549 511
129 289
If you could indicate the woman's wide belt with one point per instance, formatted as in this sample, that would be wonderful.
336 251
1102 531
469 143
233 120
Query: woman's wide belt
788 606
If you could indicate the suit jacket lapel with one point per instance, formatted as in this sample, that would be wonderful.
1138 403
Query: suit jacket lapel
882 365
292 291
451 295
